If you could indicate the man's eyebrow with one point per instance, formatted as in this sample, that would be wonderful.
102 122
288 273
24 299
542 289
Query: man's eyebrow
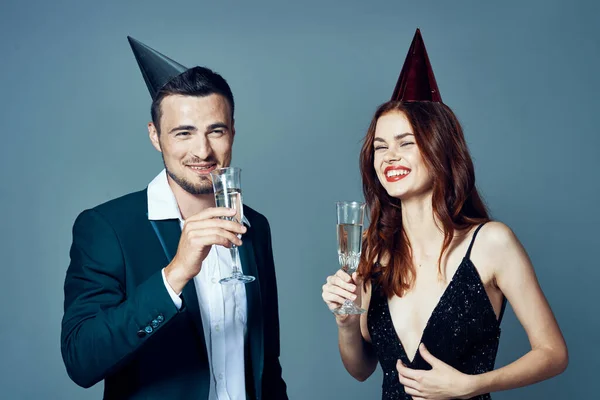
183 128
217 125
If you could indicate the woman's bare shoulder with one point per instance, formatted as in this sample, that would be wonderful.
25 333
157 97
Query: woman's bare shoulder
495 236
497 246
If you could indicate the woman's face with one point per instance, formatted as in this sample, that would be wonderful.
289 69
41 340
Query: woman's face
397 159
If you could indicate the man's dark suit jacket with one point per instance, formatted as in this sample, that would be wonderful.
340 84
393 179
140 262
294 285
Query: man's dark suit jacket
121 325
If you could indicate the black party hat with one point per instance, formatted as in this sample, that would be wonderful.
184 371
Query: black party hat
156 68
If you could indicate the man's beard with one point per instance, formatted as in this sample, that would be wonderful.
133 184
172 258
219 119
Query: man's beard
203 187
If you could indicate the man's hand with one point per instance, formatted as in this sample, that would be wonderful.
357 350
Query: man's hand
200 232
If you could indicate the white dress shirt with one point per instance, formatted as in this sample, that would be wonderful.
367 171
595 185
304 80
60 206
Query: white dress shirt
223 308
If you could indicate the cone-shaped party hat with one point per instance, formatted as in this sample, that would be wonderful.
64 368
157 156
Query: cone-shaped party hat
416 81
156 68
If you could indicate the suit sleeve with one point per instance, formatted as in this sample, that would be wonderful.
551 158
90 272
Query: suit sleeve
103 326
272 370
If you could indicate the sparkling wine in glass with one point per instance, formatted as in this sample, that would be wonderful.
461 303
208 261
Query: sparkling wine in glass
228 193
350 219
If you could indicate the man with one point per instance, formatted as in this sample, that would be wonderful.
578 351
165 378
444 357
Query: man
144 309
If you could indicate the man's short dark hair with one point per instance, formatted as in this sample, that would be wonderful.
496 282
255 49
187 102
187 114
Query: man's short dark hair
197 81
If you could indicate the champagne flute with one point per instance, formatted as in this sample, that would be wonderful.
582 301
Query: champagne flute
227 186
350 219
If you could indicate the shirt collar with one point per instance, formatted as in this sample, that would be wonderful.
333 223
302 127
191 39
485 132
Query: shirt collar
161 200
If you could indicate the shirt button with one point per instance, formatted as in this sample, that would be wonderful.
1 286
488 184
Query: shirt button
154 323
217 328
148 329
221 376
160 318
214 280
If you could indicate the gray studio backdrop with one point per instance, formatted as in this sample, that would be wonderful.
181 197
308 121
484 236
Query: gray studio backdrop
307 76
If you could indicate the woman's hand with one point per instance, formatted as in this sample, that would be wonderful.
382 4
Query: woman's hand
337 289
442 382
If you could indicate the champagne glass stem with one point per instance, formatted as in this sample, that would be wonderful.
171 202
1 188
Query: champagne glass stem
235 257
348 304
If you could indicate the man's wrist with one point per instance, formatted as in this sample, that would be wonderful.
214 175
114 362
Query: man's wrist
175 278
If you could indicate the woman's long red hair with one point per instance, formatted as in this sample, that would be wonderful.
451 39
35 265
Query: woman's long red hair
456 202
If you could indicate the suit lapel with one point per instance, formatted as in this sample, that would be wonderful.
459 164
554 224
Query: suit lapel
255 317
168 233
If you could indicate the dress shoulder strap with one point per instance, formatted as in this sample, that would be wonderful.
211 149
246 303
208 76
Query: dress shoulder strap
468 255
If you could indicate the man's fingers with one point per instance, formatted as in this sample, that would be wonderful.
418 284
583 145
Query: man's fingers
213 212
198 225
218 236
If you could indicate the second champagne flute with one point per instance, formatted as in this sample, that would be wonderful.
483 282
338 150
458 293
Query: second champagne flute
350 219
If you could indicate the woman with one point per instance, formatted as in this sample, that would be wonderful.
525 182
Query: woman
435 272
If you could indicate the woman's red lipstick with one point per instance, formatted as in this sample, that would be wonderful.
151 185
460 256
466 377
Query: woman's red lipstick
403 173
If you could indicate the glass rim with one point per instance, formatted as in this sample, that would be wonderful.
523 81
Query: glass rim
351 203
225 169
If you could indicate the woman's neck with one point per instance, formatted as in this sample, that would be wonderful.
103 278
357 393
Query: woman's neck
423 229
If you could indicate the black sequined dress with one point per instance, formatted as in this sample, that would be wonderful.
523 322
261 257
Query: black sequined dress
462 331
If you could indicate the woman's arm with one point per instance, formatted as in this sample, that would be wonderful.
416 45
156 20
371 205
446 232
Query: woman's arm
516 278
356 352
